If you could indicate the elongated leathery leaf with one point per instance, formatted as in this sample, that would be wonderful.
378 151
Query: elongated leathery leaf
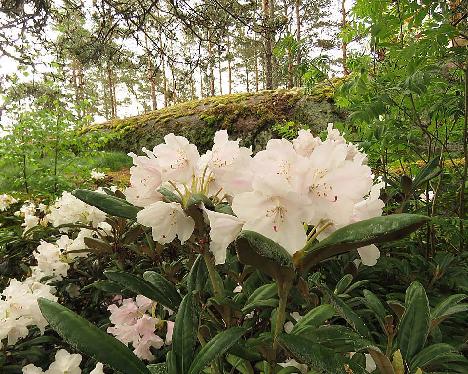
216 347
111 205
360 234
89 339
314 318
447 307
435 353
264 254
346 312
163 285
140 286
185 334
414 324
314 355
429 171
198 275
267 292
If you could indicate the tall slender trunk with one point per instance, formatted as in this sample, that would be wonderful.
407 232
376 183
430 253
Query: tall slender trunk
229 65
247 83
201 82
465 167
111 87
24 165
297 9
268 10
290 82
344 45
210 67
192 87
256 65
150 76
220 75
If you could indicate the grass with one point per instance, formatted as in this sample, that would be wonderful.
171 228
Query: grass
73 172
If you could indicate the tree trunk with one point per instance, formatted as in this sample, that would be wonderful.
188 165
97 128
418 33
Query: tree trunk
229 65
344 45
201 82
111 87
268 10
247 76
210 68
220 75
256 65
298 39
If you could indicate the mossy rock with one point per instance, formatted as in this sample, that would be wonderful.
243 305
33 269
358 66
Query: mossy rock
248 116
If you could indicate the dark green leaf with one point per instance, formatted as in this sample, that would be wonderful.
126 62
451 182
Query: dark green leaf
264 254
90 340
414 324
314 318
140 286
198 275
314 355
360 234
111 205
185 334
164 286
216 347
435 353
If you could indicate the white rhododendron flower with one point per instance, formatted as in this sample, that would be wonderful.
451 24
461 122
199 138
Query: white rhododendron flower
19 308
97 175
177 158
167 221
229 164
49 262
68 209
99 369
6 201
65 363
305 143
280 160
273 212
278 193
145 179
224 229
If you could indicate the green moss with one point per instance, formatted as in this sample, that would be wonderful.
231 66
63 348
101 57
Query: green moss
249 116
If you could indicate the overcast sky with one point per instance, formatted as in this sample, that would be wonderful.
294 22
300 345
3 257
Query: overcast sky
9 66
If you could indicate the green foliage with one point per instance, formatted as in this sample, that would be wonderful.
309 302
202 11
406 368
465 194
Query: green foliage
89 339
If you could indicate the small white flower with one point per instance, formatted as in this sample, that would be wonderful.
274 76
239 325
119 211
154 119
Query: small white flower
429 197
65 363
97 175
167 221
369 254
99 369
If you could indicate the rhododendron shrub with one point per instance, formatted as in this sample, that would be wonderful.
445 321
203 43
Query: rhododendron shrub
208 262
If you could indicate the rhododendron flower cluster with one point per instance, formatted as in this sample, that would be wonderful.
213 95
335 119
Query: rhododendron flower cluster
291 192
33 215
65 362
6 201
19 308
18 302
133 324
68 209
